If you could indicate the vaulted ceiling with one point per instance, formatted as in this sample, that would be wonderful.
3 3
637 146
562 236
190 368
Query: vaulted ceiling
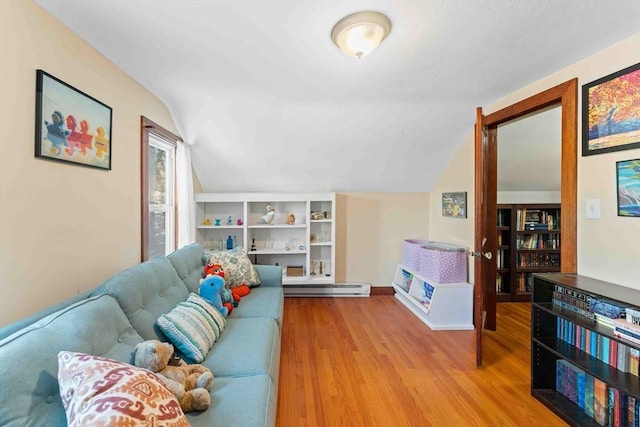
269 103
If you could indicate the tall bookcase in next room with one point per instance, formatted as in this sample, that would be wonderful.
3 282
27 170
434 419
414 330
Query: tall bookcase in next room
528 242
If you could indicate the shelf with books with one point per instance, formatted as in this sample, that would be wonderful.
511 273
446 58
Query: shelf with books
528 241
580 368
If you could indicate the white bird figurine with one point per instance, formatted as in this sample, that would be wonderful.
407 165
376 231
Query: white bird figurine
271 213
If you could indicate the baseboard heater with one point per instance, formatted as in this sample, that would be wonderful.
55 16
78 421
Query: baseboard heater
337 290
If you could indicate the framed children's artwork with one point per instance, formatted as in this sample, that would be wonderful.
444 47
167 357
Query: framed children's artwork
611 112
71 126
454 205
628 182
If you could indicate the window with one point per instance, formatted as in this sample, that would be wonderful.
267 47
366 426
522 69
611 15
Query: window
158 190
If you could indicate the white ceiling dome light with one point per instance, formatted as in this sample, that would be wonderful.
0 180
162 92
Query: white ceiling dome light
360 33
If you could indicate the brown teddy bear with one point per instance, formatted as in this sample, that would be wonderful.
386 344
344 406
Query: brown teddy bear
190 383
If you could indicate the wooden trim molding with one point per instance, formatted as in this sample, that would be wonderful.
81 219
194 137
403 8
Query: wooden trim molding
382 290
565 94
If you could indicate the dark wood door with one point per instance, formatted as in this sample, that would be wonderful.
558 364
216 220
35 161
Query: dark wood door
486 193
484 241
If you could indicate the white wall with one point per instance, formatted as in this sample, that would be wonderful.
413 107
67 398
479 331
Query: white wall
63 228
370 230
508 197
608 248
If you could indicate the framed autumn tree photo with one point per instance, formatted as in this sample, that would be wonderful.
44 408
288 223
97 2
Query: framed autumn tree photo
611 112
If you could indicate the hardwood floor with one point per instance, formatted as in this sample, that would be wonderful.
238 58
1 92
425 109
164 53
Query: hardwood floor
370 362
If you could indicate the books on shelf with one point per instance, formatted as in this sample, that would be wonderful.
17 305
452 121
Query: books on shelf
573 300
543 219
608 308
407 277
626 330
632 315
605 404
610 351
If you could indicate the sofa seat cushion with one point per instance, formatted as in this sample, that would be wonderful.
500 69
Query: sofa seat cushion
244 401
261 302
247 347
188 262
29 367
97 390
146 291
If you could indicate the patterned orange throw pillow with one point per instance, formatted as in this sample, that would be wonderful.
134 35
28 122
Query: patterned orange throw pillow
97 391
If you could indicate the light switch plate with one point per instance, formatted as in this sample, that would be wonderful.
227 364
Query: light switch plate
592 208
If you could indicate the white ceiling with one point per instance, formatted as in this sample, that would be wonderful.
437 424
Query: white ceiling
270 103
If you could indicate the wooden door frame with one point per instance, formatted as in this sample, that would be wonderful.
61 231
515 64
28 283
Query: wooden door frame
565 94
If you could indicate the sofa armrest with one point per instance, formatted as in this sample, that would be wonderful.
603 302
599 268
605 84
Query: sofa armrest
270 275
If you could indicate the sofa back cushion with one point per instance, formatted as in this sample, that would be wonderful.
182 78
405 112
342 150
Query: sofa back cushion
188 262
146 291
29 366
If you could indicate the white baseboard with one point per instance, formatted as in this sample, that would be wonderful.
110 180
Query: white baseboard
337 290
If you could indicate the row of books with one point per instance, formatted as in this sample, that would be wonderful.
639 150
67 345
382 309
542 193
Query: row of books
626 329
538 241
524 282
601 309
500 285
616 354
608 406
504 218
531 218
530 259
501 259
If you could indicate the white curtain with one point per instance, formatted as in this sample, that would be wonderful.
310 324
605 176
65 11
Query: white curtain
186 202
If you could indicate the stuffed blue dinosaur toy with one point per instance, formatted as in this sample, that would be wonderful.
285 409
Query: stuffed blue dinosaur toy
211 289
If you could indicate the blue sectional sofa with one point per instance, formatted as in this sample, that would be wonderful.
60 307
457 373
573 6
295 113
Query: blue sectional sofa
121 312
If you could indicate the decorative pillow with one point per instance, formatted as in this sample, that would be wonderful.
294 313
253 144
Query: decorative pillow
238 269
100 391
218 320
193 327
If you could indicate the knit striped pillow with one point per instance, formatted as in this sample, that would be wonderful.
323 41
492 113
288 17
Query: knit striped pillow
193 327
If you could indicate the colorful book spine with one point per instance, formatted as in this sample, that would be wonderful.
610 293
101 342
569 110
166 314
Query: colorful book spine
600 401
634 361
580 387
633 316
588 395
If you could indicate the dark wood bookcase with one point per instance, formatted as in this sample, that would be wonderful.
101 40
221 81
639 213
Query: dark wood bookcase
528 242
547 348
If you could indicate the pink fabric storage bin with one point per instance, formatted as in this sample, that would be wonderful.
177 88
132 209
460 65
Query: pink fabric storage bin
411 253
443 262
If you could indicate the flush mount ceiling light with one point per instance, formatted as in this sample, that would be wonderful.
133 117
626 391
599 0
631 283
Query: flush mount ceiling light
360 33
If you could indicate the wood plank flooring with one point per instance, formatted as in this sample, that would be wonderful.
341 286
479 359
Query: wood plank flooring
370 362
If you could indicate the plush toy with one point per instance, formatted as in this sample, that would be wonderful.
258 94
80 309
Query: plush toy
211 289
190 383
228 299
241 291
211 269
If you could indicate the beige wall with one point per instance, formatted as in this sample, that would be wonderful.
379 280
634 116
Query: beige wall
369 232
63 228
607 248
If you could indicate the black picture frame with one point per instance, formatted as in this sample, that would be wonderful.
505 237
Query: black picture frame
454 205
611 112
71 126
628 187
